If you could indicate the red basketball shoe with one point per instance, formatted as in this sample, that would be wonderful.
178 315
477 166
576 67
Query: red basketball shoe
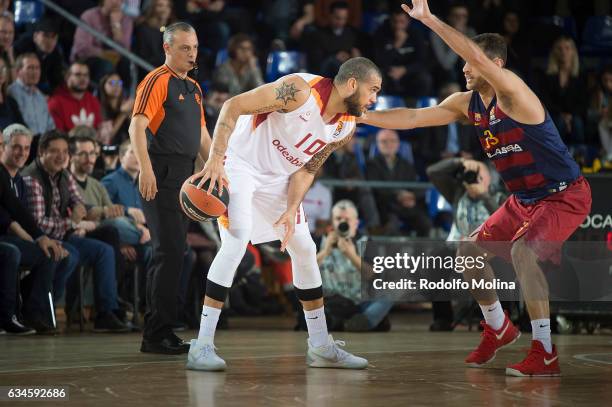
537 363
492 341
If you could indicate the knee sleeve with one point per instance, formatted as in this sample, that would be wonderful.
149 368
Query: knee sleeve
233 246
306 274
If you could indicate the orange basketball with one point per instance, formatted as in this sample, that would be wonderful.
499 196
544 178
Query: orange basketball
198 205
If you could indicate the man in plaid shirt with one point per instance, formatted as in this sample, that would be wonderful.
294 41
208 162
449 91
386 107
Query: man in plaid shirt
58 208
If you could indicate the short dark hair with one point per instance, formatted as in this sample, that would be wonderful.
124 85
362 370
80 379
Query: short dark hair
359 68
80 138
50 136
493 45
338 5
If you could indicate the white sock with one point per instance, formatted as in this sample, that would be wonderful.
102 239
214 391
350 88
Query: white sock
540 328
208 324
317 326
494 315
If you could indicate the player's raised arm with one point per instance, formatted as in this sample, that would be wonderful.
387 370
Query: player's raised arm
285 94
451 109
508 86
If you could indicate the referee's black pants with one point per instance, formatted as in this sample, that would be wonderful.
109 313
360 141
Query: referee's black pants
168 227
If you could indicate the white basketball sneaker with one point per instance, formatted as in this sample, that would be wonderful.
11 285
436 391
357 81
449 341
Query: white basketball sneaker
203 357
331 356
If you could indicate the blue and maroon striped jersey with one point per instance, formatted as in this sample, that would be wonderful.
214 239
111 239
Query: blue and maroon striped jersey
531 159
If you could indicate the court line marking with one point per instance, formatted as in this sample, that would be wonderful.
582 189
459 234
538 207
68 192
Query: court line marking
585 357
48 369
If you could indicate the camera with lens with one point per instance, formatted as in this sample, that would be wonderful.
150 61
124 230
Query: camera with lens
343 229
469 177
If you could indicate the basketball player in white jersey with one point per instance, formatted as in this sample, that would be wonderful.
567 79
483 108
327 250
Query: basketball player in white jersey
273 140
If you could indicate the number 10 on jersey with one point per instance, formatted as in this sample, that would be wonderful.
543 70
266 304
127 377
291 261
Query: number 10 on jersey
313 147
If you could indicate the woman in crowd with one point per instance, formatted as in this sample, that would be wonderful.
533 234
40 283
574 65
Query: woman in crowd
116 109
240 72
564 91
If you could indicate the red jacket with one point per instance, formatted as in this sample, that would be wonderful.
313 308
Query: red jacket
68 112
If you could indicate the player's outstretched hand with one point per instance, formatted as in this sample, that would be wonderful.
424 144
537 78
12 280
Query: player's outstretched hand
287 220
419 11
213 170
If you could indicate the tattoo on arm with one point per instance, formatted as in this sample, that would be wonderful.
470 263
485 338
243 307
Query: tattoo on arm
286 92
319 158
264 109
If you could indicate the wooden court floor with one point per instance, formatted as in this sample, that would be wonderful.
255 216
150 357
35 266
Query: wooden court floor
409 367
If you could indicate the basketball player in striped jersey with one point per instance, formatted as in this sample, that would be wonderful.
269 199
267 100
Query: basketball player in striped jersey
549 200
273 140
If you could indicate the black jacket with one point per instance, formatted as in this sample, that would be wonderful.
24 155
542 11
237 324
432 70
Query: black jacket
11 209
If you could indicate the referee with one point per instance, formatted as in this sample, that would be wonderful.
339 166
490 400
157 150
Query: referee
167 132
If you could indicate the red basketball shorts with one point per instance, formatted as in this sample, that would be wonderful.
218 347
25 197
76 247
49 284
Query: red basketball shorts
544 224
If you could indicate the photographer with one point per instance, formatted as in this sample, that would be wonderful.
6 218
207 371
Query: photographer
473 190
340 264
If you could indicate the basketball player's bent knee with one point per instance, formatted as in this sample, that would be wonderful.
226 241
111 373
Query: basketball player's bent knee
223 267
306 274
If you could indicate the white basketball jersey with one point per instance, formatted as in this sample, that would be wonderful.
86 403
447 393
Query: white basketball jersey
281 143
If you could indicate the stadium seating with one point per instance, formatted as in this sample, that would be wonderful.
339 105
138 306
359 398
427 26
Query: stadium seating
283 63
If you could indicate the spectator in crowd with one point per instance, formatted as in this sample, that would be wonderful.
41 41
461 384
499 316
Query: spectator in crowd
284 21
240 73
22 244
455 139
9 109
108 18
58 208
217 94
564 91
102 211
116 109
401 54
17 152
72 104
330 46
474 191
7 36
518 42
147 35
303 20
43 42
344 164
317 207
121 186
396 205
340 264
208 19
600 112
31 101
448 62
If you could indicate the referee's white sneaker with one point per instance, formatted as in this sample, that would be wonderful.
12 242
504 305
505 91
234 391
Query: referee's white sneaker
203 357
331 356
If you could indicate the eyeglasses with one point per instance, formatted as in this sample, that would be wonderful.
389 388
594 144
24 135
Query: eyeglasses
115 82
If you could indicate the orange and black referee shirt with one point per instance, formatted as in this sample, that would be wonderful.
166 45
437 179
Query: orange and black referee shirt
175 112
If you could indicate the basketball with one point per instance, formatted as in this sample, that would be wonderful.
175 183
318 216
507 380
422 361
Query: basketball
198 205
